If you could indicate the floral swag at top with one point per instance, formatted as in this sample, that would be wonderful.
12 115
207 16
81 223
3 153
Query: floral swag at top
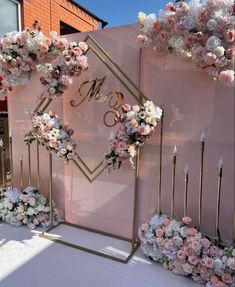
21 53
200 31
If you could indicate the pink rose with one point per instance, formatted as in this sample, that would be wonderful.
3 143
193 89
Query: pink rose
166 222
77 51
66 81
181 255
190 40
196 246
202 16
230 53
221 284
126 108
163 36
159 232
156 27
226 77
205 243
187 220
227 278
170 23
230 35
32 201
192 231
214 279
192 259
114 143
209 262
133 123
52 114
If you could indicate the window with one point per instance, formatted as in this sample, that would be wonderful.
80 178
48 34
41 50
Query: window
9 16
67 29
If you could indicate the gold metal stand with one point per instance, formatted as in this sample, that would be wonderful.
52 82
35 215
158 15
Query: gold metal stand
21 173
3 153
29 164
38 166
133 241
186 192
11 161
217 223
173 187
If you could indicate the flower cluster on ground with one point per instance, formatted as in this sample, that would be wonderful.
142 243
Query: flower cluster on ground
136 125
22 52
49 132
186 252
200 31
28 207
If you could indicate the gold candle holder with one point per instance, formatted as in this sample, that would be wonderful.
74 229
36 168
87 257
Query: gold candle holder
11 158
201 180
160 166
173 182
29 163
21 173
3 166
217 223
135 198
186 172
50 191
38 166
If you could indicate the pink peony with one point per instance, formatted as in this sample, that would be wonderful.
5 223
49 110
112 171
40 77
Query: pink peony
226 77
187 220
209 262
202 16
214 279
159 232
163 36
205 243
192 231
227 278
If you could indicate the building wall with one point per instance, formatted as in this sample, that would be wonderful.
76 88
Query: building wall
51 12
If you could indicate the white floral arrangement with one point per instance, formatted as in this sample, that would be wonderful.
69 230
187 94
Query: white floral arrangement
23 52
136 125
183 250
200 31
49 132
24 208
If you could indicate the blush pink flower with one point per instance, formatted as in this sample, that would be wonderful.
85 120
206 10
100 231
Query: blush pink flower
205 243
126 108
192 259
170 7
156 27
166 222
210 58
163 36
230 53
226 77
192 231
133 123
214 279
141 39
83 46
187 220
227 278
209 262
230 35
181 255
159 232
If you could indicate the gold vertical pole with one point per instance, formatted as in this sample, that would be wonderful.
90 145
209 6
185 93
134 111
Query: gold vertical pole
201 180
160 167
217 223
3 166
135 198
11 159
21 173
38 166
50 190
173 182
29 163
186 191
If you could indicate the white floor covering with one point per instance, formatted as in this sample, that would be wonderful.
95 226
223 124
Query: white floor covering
27 260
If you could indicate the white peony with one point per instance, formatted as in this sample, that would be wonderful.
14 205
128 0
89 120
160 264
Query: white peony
184 231
30 211
178 241
231 263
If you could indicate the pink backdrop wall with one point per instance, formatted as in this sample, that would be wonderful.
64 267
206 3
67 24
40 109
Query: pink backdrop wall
193 103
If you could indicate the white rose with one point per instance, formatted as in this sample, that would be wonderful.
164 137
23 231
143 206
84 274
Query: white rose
219 51
218 264
148 22
184 231
46 118
112 136
30 211
53 34
212 43
231 263
178 241
141 17
211 24
130 115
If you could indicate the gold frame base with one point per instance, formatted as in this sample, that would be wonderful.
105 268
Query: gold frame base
134 246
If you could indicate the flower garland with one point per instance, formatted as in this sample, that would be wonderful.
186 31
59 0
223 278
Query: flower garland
186 252
136 125
49 132
201 31
20 52
24 208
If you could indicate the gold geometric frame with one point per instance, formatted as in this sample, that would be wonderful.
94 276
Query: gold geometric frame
92 175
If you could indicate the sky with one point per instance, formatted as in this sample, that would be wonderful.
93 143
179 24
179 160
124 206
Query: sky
122 12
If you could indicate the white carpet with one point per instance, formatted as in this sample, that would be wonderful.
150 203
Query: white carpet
27 260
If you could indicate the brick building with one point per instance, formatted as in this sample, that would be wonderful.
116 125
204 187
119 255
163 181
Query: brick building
62 16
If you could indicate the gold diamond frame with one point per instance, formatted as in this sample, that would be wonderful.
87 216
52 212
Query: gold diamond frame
92 175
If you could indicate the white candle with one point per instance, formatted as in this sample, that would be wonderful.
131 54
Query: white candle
203 137
221 163
175 151
186 169
10 134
